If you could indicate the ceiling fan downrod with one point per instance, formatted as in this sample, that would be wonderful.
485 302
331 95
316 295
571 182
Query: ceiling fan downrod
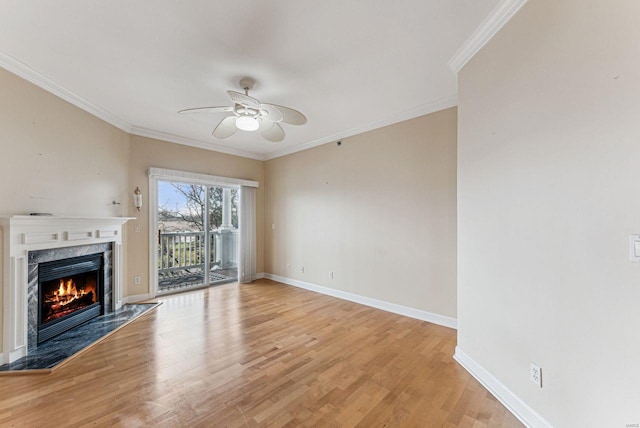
247 84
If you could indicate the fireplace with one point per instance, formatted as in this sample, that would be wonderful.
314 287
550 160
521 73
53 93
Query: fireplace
32 241
70 292
67 287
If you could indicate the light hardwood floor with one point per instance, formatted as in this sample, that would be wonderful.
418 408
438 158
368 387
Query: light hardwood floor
261 354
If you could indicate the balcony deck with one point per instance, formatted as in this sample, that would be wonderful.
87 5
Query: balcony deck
181 259
184 279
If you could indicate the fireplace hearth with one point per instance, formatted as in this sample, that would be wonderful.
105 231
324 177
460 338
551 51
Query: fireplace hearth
70 293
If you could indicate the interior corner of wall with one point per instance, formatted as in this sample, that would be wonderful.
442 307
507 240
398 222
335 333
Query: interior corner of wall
1 291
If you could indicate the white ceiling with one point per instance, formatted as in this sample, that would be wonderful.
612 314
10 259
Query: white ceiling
350 66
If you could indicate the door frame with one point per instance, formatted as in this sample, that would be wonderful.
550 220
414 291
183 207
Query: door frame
162 174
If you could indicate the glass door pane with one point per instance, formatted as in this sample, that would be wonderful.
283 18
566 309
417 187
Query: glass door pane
223 234
182 220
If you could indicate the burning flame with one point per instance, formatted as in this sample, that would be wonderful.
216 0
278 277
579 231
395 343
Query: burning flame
67 292
65 296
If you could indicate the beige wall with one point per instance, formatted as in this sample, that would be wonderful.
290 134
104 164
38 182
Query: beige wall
549 149
379 211
57 158
146 153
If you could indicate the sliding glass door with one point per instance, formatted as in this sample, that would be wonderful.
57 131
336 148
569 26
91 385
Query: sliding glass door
223 231
197 232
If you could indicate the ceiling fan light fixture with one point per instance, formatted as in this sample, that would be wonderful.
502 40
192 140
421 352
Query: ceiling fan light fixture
249 114
247 123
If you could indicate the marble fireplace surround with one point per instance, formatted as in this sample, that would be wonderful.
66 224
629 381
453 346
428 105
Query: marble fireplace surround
24 239
42 256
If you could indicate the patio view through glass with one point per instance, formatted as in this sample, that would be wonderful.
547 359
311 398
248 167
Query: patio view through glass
187 255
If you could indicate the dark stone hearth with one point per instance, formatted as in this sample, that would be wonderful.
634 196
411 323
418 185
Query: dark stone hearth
54 351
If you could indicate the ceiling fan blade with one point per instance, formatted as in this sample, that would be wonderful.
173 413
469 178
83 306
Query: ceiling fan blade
271 112
226 128
244 100
207 109
270 130
290 116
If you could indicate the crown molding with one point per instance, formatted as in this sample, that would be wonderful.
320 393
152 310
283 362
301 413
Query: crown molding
29 74
207 145
431 107
26 72
498 17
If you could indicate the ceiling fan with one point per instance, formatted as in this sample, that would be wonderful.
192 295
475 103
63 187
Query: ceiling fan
249 114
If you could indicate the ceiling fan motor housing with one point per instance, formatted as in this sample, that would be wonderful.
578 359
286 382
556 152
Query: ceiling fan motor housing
247 83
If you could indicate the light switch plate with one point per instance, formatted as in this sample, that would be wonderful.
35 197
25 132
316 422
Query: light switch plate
634 248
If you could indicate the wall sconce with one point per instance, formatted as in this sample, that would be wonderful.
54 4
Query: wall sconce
137 198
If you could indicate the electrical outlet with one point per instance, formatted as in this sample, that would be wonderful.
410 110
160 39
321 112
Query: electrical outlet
136 280
302 269
535 373
331 275
288 266
137 227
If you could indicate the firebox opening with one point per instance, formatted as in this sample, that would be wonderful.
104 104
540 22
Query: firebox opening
63 296
70 292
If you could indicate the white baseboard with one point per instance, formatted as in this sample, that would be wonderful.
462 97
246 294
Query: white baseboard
512 402
2 360
136 298
260 275
368 301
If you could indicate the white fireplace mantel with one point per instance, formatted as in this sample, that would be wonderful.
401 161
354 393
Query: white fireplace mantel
24 233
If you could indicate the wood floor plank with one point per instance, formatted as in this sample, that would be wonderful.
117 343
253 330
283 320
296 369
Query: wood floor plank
261 354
